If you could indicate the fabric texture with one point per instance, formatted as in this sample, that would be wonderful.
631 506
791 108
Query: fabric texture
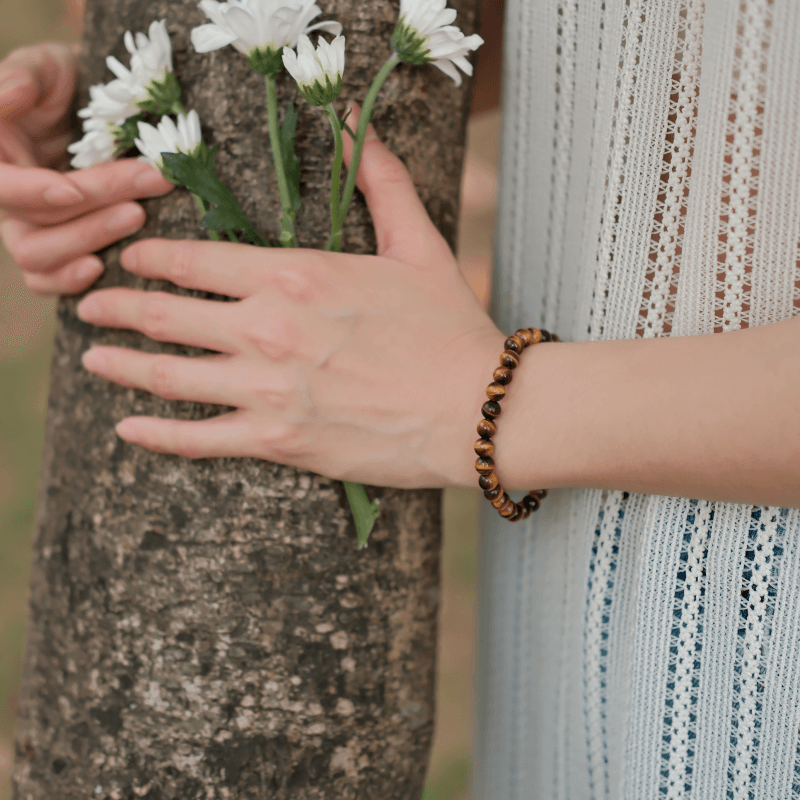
635 646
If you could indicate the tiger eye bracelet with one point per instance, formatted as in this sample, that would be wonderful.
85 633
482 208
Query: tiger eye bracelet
487 427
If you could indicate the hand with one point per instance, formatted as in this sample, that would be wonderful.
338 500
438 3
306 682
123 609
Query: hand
51 222
363 368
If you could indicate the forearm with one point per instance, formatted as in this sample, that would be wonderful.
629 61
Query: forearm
712 417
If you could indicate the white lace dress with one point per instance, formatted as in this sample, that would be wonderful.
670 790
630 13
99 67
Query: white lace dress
634 646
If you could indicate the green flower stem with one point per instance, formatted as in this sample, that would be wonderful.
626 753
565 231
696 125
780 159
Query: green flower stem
335 242
287 215
177 108
232 235
365 511
203 208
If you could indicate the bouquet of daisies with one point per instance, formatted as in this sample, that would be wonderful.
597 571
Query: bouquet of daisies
271 35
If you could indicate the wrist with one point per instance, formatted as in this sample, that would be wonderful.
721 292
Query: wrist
527 451
451 446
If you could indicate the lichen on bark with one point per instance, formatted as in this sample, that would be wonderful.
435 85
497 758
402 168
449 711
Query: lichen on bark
206 629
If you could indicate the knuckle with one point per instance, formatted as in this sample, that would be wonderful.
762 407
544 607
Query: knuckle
284 442
155 316
24 254
277 392
271 337
182 266
35 284
162 378
390 169
303 282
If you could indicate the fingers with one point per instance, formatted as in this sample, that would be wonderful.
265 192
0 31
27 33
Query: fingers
72 278
38 249
205 379
46 197
226 435
25 189
163 317
37 83
235 270
402 226
15 147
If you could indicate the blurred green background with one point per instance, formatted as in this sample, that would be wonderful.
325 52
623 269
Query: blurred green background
26 331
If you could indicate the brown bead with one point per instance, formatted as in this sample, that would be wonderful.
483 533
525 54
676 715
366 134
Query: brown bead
503 375
507 509
490 409
484 465
501 500
514 343
547 336
486 429
531 501
525 335
489 481
509 359
483 447
492 493
517 515
537 335
495 391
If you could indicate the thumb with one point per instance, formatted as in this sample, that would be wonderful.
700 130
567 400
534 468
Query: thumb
402 226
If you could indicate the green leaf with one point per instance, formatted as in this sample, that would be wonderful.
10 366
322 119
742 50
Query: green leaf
197 175
291 163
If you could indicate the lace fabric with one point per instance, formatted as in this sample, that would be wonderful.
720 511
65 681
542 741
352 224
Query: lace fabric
633 646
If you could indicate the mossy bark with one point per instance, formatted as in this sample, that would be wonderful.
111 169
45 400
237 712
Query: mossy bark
207 629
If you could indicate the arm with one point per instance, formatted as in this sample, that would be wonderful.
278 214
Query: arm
373 369
711 417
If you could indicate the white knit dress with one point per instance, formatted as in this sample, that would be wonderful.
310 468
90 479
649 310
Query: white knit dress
635 646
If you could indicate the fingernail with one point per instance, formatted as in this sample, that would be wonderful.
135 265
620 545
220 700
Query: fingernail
126 430
89 270
11 84
94 361
149 180
129 259
62 194
87 309
129 218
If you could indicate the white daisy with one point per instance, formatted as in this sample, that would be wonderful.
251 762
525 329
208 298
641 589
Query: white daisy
258 28
168 137
425 33
96 147
112 102
318 73
151 60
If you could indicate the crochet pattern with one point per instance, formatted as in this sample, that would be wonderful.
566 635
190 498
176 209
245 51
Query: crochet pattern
635 646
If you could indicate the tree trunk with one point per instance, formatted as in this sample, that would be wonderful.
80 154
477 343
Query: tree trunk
207 629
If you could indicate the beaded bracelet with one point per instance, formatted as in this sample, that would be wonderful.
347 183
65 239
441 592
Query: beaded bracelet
487 427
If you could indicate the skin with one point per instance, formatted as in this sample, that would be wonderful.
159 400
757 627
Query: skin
51 222
312 389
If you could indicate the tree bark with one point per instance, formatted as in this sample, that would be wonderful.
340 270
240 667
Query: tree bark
206 629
